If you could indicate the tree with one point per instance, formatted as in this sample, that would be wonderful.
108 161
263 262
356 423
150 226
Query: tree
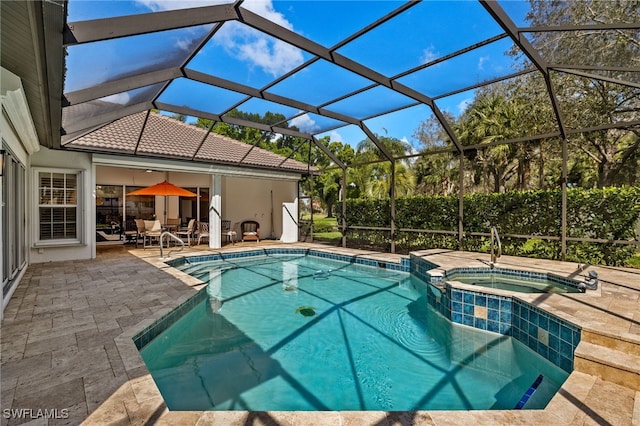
435 173
329 183
491 118
589 102
374 180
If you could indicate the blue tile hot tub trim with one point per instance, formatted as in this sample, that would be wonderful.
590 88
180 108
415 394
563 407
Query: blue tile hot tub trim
546 334
512 273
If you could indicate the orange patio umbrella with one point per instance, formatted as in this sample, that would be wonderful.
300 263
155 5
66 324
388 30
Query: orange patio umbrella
164 189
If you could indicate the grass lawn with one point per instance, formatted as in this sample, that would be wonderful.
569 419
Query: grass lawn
325 228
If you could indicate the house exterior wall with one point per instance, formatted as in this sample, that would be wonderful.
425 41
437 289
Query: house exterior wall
250 199
46 158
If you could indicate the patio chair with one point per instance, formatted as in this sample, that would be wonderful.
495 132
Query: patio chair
189 232
250 230
152 230
172 224
203 231
131 231
139 230
226 231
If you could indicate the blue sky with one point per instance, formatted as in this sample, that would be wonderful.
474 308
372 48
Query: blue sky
239 53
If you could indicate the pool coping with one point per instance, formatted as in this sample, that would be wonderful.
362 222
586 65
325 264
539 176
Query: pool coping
564 407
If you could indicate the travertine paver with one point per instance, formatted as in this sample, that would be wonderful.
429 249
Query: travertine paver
66 346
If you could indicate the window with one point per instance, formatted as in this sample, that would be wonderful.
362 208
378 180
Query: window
195 208
58 206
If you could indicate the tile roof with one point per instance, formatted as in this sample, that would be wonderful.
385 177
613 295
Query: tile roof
167 137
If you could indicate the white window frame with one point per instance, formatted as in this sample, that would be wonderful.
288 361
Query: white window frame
80 238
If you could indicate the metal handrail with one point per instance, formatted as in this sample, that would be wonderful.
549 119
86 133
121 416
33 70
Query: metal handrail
176 238
496 237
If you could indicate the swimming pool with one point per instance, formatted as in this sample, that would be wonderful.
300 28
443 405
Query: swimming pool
303 333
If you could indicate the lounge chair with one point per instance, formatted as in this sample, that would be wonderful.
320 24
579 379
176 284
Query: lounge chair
250 230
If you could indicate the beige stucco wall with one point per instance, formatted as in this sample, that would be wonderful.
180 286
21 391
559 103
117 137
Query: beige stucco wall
246 198
66 160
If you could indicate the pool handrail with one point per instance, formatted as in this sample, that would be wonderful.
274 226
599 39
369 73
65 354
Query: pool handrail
495 237
174 237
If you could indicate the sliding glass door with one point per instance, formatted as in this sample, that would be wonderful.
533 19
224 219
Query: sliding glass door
13 221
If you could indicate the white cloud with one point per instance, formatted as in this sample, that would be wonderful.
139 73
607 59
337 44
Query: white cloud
275 136
248 45
265 9
429 54
244 43
482 61
412 149
184 44
463 104
304 123
118 98
335 136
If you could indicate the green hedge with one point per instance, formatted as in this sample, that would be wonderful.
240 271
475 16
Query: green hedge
610 213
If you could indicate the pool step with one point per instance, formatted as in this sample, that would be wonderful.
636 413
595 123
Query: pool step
629 344
613 364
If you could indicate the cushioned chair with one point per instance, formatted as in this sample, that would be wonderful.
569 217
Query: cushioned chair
226 231
250 230
189 232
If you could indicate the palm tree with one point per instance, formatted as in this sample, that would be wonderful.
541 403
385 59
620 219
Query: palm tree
374 180
491 119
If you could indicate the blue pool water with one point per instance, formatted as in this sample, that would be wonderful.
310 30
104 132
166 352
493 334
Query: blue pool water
303 333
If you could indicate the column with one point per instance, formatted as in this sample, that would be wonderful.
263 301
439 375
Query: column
215 212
